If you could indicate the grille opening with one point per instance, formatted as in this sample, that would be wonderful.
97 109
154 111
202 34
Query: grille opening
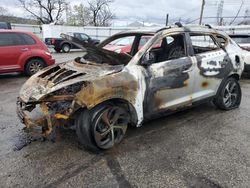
72 77
50 71
62 75
55 74
58 75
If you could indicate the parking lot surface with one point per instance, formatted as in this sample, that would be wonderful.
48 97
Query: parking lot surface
199 147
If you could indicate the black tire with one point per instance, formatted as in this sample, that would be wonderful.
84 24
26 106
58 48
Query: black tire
66 48
92 131
57 50
33 66
229 95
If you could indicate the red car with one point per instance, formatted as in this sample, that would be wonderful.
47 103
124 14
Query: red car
22 51
124 44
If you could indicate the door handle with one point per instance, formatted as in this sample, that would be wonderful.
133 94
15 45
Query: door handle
24 49
187 69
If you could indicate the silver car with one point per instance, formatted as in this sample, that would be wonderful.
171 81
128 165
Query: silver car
103 92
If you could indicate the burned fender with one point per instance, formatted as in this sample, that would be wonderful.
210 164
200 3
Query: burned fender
122 85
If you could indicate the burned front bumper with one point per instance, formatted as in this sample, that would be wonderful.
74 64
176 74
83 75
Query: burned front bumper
32 125
43 117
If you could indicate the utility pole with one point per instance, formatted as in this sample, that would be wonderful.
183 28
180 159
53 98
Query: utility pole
220 12
202 10
167 17
40 11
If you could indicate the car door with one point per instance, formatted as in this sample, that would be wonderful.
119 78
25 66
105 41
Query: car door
11 48
170 79
84 37
211 65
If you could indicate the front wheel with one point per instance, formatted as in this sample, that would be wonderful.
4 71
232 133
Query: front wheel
33 66
103 127
229 95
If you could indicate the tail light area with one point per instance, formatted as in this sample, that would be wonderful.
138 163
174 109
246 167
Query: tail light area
53 41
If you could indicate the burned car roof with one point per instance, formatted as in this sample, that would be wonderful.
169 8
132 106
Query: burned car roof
187 28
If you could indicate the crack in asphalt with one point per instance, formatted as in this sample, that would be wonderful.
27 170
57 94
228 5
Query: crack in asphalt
77 171
112 163
117 172
193 181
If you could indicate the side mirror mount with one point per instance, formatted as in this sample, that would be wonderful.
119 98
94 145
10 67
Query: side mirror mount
148 58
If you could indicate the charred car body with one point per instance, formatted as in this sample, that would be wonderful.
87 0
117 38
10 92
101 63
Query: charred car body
103 92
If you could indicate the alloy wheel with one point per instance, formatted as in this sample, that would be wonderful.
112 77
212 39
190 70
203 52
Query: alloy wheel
110 127
231 93
35 67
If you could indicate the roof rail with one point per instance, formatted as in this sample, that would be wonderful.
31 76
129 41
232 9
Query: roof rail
209 26
164 28
179 24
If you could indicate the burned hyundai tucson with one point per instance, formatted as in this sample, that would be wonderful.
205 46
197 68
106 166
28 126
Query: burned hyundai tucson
105 90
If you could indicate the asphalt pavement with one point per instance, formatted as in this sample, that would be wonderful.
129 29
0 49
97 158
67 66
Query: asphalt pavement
200 147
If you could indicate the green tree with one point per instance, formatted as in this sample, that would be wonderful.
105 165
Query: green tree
79 15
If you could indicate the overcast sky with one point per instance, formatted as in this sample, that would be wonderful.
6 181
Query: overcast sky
154 11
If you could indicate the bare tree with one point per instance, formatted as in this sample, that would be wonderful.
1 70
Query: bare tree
100 12
3 11
246 19
45 11
105 17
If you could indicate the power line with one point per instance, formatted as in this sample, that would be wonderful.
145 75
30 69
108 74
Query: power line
213 17
237 13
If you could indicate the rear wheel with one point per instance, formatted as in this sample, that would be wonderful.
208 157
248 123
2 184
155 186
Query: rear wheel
102 128
229 95
33 66
66 48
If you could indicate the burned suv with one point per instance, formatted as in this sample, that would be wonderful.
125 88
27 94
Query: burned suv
103 92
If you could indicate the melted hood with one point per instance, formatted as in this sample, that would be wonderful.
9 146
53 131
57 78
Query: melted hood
97 54
61 76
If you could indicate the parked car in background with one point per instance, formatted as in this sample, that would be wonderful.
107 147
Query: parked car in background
243 40
22 51
124 44
102 92
60 44
5 25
